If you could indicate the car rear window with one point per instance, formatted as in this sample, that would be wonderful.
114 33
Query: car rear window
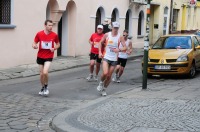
173 42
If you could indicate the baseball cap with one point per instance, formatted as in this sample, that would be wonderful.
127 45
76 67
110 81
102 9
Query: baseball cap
106 19
115 24
100 26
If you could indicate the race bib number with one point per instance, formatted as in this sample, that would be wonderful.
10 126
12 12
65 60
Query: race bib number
111 49
46 44
96 45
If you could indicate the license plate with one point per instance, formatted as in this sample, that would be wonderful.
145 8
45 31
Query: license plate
162 67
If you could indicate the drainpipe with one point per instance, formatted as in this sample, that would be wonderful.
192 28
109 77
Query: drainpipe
171 17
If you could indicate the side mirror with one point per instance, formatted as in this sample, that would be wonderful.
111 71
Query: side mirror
149 47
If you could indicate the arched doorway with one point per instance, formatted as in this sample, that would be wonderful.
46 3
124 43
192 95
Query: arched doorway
48 11
98 18
115 15
141 24
59 51
128 21
165 22
67 30
100 15
52 5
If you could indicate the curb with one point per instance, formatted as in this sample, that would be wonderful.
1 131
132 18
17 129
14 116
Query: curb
59 123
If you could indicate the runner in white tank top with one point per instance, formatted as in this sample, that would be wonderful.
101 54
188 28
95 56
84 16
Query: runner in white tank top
122 58
111 44
111 41
124 54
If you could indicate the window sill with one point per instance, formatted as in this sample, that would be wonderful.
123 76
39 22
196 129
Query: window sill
140 36
7 26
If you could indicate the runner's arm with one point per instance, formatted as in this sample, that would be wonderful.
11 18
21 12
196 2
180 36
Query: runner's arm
91 40
91 43
123 44
101 43
57 46
130 49
34 45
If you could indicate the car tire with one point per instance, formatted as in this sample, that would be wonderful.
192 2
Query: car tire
149 75
192 72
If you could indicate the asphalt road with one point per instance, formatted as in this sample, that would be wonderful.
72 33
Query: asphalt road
71 84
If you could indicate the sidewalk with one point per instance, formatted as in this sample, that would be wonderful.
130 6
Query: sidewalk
59 63
171 105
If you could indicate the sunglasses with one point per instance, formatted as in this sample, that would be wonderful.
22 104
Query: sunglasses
125 35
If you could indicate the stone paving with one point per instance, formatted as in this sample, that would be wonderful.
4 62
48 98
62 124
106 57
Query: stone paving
25 113
120 115
168 105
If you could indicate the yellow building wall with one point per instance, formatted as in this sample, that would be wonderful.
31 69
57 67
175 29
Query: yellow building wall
183 27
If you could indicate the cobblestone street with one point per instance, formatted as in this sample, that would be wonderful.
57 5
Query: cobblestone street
25 113
169 105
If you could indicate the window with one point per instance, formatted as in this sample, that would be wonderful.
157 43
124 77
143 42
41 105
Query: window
141 24
5 12
196 42
175 19
173 42
127 21
115 15
165 23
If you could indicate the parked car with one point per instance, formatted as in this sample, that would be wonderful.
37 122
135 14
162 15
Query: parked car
197 33
174 54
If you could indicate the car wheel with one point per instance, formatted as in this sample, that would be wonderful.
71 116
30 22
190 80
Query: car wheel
192 72
149 76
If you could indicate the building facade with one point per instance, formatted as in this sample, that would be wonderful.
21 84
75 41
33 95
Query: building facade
74 21
184 17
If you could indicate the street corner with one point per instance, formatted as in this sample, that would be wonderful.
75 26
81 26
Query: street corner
132 115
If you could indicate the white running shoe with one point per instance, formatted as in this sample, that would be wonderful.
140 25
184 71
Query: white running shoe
95 78
41 91
118 80
46 92
90 77
114 79
103 92
100 87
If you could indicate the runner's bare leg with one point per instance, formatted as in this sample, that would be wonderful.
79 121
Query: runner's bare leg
97 68
105 71
109 75
121 71
45 71
41 67
92 63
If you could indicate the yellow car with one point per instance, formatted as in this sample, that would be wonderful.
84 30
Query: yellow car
175 54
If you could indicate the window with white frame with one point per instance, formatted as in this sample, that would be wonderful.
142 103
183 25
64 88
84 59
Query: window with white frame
5 11
165 23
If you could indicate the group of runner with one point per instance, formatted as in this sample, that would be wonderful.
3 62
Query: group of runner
114 50
110 47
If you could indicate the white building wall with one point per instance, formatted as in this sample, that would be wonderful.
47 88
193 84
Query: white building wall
29 17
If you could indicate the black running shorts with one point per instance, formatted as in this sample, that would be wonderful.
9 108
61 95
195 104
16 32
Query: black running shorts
41 61
95 57
121 62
